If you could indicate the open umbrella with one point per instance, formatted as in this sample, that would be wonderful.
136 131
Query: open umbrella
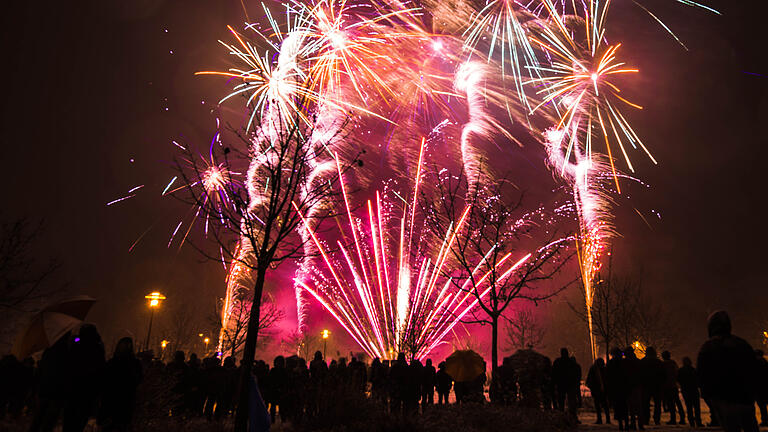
50 324
464 365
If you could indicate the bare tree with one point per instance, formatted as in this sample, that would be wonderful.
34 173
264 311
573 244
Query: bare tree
624 313
233 334
22 277
302 344
290 179
504 254
523 331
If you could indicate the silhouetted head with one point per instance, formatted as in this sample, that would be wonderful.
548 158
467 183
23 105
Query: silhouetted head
416 363
616 353
564 353
353 361
719 324
88 335
429 362
629 353
687 361
650 352
441 365
124 348
666 355
401 357
318 355
342 362
279 362
600 362
376 362
291 362
229 362
178 357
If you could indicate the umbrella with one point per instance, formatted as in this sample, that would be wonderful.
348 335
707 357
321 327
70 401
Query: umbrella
529 365
50 324
464 365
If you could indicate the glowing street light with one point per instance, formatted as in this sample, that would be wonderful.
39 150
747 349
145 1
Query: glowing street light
154 302
163 344
206 340
325 335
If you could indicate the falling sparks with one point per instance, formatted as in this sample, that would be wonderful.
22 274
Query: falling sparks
387 294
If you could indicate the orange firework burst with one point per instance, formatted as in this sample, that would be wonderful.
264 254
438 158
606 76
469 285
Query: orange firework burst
578 84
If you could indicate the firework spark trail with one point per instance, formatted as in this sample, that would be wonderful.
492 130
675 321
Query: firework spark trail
322 141
592 210
415 309
577 84
502 19
335 60
469 79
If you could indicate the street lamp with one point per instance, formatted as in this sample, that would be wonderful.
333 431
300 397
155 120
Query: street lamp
325 335
163 344
154 302
206 340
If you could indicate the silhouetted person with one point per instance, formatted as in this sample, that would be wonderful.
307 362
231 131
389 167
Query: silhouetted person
294 385
617 387
277 380
194 396
689 387
762 386
428 382
506 384
84 376
213 383
670 390
231 384
413 386
51 385
444 384
727 369
15 380
177 371
378 381
398 379
653 382
566 375
121 378
299 381
358 375
634 373
596 384
546 384
318 372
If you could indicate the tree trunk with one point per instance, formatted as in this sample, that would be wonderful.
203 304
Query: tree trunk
494 344
249 352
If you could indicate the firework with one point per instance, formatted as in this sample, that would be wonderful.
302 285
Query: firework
387 293
381 65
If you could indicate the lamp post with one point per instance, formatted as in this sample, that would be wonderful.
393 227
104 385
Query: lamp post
325 335
206 340
163 344
154 302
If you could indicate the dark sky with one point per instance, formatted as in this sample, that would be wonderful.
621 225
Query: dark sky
90 88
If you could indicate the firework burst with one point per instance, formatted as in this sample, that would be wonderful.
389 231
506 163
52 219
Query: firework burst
385 289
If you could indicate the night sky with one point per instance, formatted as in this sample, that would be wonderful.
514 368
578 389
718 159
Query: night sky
95 93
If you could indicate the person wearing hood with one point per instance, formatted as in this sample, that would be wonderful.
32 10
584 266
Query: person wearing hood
727 368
